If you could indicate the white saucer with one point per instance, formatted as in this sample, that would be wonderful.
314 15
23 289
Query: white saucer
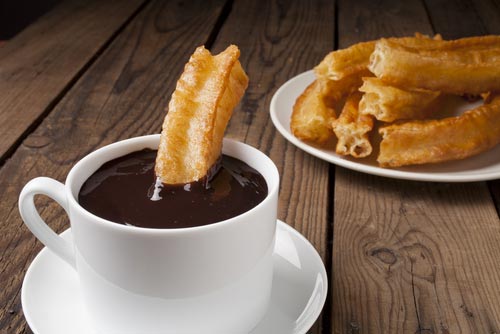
52 302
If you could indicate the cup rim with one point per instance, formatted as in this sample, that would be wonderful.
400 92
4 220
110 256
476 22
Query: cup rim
273 188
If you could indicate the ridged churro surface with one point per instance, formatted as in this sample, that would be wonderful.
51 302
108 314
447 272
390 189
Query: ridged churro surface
200 107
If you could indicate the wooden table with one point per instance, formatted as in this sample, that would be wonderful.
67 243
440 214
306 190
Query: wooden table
402 256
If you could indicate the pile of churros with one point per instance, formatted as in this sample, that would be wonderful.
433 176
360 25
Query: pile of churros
397 86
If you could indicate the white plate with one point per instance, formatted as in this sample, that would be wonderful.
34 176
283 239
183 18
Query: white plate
485 166
52 303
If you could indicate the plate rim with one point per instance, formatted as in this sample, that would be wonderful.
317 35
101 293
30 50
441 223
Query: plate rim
332 157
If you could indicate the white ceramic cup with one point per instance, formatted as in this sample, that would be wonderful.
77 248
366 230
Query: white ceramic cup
209 279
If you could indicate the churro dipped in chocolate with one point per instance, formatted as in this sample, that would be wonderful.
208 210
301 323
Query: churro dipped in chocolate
199 110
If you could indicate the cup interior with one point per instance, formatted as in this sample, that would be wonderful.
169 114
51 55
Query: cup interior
93 161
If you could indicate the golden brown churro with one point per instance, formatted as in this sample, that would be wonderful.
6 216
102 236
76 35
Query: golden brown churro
199 110
453 138
345 62
311 116
352 129
314 110
341 63
466 66
389 103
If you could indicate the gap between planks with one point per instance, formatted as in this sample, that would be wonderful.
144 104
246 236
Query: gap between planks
67 87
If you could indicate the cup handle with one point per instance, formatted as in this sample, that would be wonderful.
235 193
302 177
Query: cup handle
55 190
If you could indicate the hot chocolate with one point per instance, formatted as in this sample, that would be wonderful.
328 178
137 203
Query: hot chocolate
123 191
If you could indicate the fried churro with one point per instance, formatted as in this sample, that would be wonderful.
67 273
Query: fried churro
431 141
341 63
352 129
198 112
312 116
464 66
390 103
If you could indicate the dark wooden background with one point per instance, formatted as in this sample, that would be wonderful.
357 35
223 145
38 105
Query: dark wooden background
402 256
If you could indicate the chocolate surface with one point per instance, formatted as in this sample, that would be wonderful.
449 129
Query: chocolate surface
122 191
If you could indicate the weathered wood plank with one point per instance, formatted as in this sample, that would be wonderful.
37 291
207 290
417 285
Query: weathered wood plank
38 65
123 94
460 18
415 257
279 40
410 257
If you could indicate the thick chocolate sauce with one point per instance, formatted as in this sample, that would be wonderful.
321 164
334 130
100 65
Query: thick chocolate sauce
122 191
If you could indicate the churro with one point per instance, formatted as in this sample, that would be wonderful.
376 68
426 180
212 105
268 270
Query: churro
431 141
200 107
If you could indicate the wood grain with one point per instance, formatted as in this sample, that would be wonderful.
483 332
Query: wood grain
123 94
38 65
460 18
410 257
414 257
279 40
463 18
